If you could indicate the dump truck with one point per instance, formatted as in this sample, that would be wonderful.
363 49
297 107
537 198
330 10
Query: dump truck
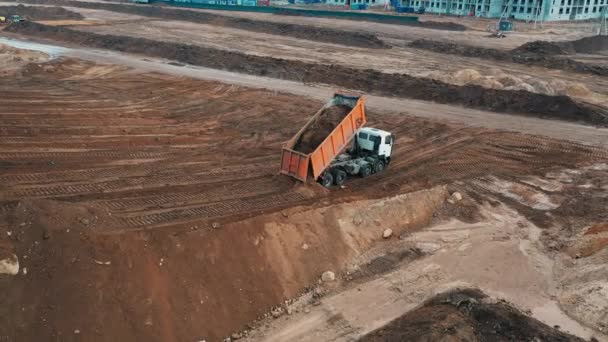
334 145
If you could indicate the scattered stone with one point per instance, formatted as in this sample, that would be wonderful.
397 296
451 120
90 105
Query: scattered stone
289 310
357 220
328 276
216 225
277 313
76 331
85 221
307 310
22 224
305 246
457 196
102 262
46 235
9 265
236 336
24 271
451 201
387 233
9 233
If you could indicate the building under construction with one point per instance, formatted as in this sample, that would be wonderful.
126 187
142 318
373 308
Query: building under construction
542 10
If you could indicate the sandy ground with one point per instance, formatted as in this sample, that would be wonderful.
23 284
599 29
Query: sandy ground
471 117
152 187
399 59
396 60
502 254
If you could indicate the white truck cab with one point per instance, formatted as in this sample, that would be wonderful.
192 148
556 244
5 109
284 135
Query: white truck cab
375 141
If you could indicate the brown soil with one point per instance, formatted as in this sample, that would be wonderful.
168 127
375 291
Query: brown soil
299 31
327 121
39 13
143 202
519 102
535 53
466 315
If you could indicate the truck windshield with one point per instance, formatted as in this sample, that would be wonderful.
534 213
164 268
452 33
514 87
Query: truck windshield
363 135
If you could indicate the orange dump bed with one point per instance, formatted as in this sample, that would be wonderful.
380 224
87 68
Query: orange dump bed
304 165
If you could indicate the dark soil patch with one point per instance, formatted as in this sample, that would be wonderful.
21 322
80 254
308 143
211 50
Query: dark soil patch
542 47
372 81
590 44
326 35
536 53
435 25
466 315
39 13
385 264
327 121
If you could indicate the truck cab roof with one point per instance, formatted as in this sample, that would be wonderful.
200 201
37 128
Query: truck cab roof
374 131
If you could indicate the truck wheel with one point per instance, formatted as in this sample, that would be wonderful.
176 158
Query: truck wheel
379 166
339 177
327 180
365 171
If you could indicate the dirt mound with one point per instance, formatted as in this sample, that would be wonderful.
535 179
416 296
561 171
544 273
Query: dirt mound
542 48
386 19
590 44
372 81
320 34
314 135
39 12
466 315
519 55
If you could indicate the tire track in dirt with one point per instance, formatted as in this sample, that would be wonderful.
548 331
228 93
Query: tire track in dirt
511 101
222 158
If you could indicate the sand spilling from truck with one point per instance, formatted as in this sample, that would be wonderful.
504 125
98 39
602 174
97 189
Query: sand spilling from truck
499 100
320 129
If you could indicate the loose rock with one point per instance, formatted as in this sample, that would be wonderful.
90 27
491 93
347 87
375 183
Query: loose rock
387 233
328 276
457 196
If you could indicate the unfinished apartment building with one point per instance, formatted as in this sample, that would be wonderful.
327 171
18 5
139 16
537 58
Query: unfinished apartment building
542 10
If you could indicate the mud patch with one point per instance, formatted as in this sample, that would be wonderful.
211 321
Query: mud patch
535 53
512 101
327 121
39 12
326 35
466 315
385 263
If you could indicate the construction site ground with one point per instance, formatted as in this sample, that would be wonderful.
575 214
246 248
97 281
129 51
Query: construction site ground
140 199
399 59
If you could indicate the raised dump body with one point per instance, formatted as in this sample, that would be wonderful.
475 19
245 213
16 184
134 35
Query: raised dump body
301 160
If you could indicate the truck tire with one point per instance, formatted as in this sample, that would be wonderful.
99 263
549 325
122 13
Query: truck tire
379 167
327 179
339 177
365 170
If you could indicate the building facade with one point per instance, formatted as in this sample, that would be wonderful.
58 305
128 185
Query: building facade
542 10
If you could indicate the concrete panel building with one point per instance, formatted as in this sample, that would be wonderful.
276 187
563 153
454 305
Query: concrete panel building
542 10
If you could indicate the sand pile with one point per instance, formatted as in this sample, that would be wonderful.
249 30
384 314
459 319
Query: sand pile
314 135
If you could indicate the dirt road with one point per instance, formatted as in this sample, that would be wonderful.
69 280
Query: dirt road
476 118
